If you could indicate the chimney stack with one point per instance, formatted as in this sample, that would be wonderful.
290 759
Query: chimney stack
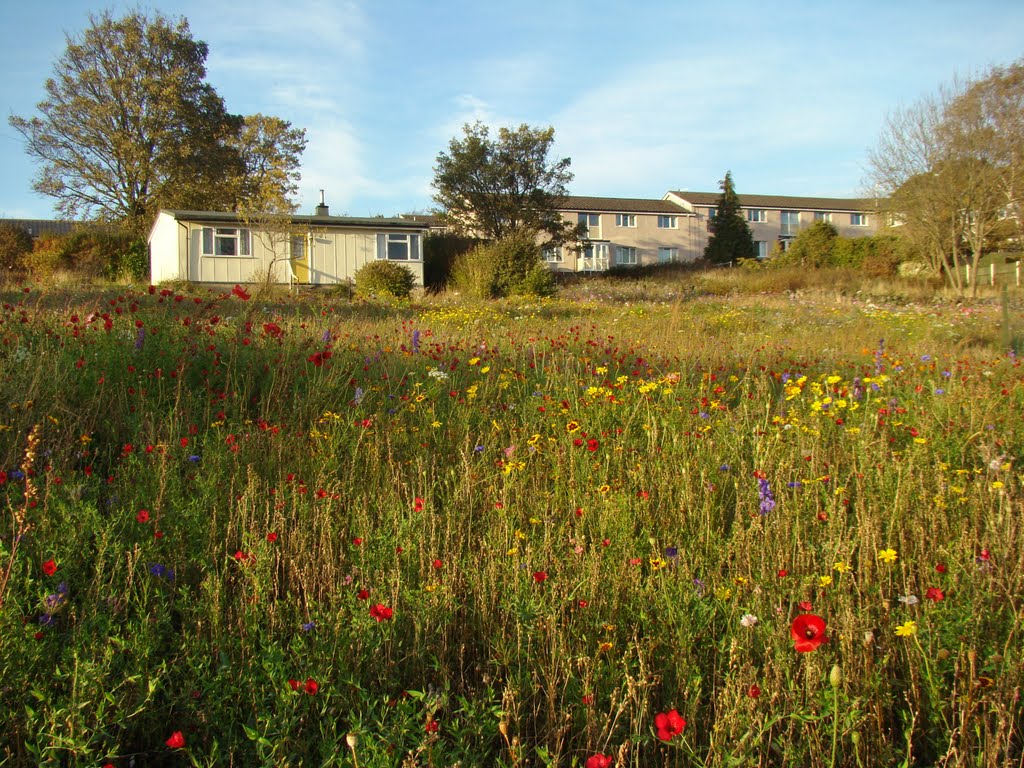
322 209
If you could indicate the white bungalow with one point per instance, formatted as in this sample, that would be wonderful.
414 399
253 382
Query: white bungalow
216 247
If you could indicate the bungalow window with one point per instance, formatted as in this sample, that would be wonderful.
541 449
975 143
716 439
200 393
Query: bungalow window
822 216
858 219
226 241
625 220
398 247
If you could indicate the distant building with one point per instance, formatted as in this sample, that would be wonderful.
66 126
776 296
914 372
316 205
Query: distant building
779 218
39 227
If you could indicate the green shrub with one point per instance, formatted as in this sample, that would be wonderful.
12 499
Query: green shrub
385 278
15 242
511 266
811 248
46 258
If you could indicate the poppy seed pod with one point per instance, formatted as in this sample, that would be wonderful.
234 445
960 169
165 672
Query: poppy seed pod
835 677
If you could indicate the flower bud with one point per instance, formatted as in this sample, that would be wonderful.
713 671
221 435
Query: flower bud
855 738
352 740
835 677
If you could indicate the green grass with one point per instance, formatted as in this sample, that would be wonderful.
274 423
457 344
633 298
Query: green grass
560 502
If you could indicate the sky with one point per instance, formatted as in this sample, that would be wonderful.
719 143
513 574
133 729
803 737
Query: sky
645 97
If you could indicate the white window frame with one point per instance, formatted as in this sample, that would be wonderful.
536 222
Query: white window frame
411 240
625 220
626 256
757 215
858 219
823 216
668 255
553 255
214 239
591 223
668 222
761 249
789 222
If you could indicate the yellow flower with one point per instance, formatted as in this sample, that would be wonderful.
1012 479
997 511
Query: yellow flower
906 629
997 484
887 556
824 581
485 369
841 567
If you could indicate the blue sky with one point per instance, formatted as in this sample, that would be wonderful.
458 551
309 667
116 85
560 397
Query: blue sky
644 97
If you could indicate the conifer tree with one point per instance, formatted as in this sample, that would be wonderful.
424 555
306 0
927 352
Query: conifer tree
730 236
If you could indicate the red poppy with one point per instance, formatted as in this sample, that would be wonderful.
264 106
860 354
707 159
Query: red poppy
418 504
177 741
241 293
592 444
669 724
804 605
311 686
49 567
295 684
599 761
783 573
754 691
808 632
364 594
380 612
540 576
438 565
940 568
271 537
934 594
142 516
433 726
357 541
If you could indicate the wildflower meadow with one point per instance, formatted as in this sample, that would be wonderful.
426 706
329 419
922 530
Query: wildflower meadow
721 530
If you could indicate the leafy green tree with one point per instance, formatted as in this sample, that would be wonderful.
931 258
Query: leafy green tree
730 236
129 124
493 188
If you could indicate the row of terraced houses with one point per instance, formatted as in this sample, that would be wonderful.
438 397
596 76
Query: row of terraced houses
216 247
632 232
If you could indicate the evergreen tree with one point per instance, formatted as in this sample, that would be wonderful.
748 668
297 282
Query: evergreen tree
730 236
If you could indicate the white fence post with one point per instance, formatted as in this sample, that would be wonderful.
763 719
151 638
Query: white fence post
967 274
1016 270
992 273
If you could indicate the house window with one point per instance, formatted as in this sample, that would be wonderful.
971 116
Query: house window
590 223
298 245
761 249
226 241
859 219
625 256
757 214
395 247
790 222
553 254
668 255
822 216
712 212
667 222
625 220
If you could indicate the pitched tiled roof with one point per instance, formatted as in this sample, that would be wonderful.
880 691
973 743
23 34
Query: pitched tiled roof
620 205
782 202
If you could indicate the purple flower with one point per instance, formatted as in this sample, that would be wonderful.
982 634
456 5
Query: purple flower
415 341
766 497
309 626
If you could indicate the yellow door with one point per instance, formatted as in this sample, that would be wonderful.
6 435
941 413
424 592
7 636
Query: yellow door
300 259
